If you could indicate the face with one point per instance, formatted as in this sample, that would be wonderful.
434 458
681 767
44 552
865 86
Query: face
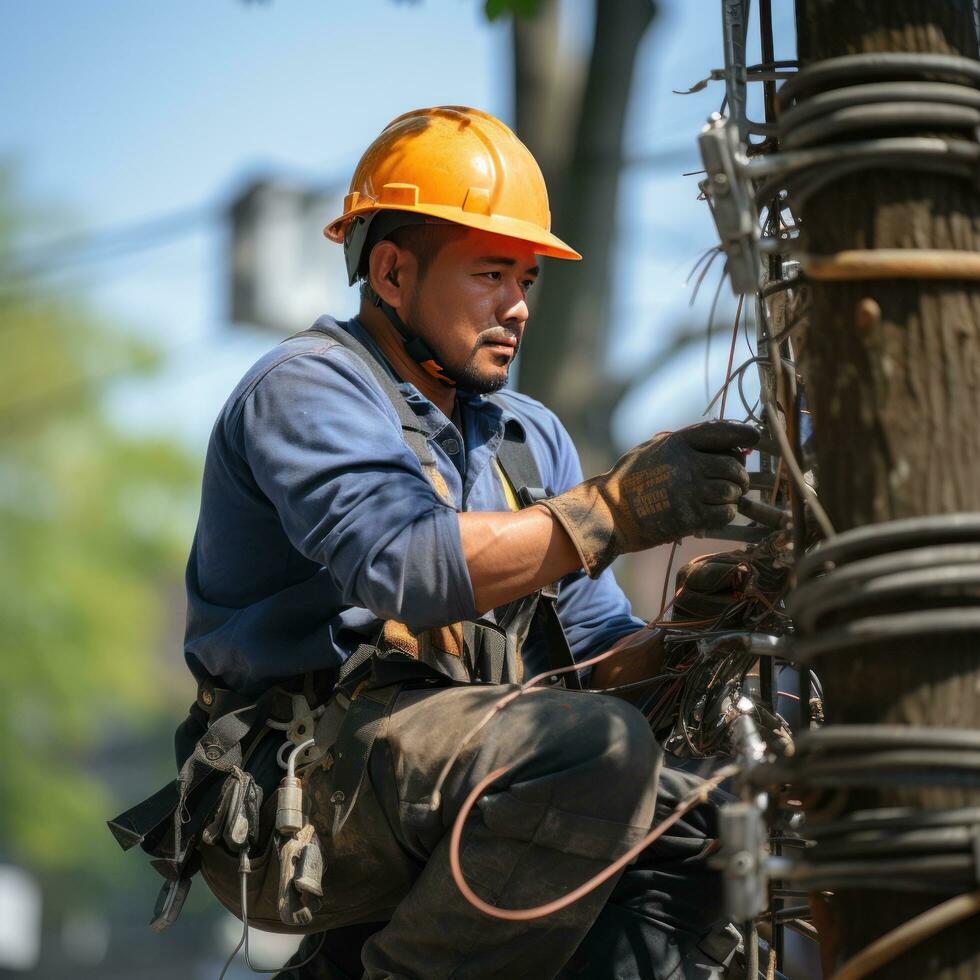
471 306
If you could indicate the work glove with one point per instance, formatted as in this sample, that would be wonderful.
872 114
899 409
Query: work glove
710 585
707 586
672 485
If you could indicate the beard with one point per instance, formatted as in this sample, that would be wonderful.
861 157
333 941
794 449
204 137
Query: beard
467 373
476 379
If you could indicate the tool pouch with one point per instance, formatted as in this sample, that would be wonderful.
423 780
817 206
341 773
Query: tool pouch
236 818
300 878
212 789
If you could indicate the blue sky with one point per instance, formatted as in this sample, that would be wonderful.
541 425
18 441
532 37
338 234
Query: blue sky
116 112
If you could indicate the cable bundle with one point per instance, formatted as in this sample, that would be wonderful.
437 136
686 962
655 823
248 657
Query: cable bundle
722 600
824 105
914 577
887 848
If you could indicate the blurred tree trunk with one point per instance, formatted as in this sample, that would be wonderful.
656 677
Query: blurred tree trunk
575 129
895 400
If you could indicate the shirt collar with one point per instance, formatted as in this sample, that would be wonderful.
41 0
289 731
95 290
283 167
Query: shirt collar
491 408
492 404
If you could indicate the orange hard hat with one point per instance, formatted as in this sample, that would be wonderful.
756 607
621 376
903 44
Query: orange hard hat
455 164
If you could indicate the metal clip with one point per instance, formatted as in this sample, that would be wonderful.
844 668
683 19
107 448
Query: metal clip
300 878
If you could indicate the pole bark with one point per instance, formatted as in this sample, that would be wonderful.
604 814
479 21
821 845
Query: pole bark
892 371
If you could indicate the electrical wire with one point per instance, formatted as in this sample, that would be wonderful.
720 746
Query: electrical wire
789 457
435 799
663 595
556 905
711 320
108 243
731 354
892 944
244 869
710 255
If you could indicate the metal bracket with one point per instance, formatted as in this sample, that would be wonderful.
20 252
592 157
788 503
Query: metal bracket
731 202
743 837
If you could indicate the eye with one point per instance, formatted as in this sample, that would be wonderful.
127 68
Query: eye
495 276
528 283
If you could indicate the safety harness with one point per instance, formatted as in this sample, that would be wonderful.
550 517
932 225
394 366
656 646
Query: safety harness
227 757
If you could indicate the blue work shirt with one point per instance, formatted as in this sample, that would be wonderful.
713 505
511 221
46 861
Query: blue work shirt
317 522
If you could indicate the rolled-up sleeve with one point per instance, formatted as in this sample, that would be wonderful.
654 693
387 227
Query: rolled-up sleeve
325 447
593 612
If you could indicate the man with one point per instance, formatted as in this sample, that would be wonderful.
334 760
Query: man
360 506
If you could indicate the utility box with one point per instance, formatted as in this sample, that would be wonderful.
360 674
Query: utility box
283 272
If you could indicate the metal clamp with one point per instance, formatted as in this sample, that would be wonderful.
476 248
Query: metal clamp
743 860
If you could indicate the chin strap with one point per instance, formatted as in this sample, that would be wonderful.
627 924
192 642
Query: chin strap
416 348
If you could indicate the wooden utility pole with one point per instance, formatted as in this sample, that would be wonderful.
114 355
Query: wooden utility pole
892 369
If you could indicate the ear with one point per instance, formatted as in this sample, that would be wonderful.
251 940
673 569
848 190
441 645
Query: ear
387 266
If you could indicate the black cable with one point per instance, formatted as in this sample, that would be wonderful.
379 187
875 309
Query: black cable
781 285
860 118
844 738
778 171
893 820
878 92
635 685
875 755
896 848
897 66
890 536
913 577
945 569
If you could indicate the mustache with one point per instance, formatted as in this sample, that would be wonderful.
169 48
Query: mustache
499 334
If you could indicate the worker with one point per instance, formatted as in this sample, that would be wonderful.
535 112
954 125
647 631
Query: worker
389 541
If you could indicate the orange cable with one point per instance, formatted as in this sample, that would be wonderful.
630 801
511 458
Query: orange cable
539 911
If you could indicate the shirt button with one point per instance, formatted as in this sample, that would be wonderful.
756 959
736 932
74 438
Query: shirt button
451 446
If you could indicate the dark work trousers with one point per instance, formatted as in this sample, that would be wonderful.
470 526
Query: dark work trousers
581 790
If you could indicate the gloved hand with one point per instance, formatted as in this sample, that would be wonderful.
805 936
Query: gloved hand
708 585
672 485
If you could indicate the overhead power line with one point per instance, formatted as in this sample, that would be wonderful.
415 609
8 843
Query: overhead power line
106 244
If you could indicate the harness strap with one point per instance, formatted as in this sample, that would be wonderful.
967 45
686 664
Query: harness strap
412 430
366 718
515 458
520 470
356 664
519 466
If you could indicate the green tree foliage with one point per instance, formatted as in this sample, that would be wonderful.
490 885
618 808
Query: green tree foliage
93 532
519 8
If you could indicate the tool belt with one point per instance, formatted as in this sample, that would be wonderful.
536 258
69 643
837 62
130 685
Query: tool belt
236 762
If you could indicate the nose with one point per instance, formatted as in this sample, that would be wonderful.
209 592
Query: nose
512 311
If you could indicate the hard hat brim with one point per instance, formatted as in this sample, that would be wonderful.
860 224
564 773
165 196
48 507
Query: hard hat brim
497 224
